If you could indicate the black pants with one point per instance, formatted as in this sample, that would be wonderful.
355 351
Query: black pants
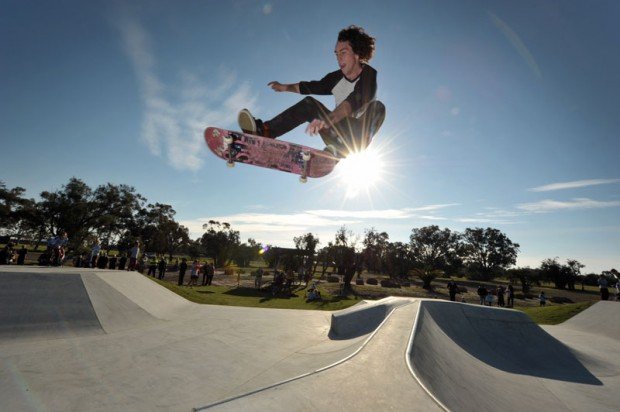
348 135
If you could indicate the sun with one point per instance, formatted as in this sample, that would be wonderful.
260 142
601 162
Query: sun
361 171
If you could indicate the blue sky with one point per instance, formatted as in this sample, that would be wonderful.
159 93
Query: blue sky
501 114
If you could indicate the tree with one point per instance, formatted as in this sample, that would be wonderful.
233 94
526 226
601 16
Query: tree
433 248
488 251
398 259
562 276
307 244
11 201
345 257
219 241
375 246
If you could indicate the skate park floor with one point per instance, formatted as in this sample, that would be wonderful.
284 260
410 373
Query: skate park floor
83 339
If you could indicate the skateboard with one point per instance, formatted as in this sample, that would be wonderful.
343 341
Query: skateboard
238 147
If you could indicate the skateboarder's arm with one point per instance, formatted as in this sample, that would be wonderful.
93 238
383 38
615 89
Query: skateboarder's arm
279 87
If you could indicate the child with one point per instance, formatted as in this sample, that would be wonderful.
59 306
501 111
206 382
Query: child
542 298
194 274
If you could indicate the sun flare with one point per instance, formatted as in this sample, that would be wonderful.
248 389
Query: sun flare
361 171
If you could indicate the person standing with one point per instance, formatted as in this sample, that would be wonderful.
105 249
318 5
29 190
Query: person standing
21 255
194 274
542 298
94 254
482 293
452 290
210 273
258 280
182 270
133 256
152 266
511 296
161 266
500 296
602 284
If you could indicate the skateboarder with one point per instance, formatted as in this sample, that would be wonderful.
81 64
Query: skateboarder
357 115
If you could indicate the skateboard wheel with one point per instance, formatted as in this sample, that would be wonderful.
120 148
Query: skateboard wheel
303 179
230 164
305 156
228 140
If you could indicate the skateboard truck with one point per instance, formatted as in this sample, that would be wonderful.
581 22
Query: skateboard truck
229 142
305 157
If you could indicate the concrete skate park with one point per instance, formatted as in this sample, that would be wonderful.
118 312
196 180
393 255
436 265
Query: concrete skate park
82 339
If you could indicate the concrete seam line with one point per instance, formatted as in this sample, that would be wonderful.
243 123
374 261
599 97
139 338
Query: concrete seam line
414 330
324 368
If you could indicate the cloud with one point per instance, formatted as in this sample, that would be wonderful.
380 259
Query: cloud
175 115
574 204
573 185
264 225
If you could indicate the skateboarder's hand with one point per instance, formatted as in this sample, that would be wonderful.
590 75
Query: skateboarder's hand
316 126
277 86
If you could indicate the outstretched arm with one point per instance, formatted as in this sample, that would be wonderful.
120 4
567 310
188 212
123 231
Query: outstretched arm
279 87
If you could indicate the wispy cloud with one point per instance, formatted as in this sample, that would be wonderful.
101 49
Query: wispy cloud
257 224
175 115
573 185
574 204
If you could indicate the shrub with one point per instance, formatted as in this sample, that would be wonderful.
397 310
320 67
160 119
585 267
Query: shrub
372 281
560 299
333 279
462 289
230 270
389 283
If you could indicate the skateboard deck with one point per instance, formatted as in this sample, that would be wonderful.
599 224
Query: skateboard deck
238 147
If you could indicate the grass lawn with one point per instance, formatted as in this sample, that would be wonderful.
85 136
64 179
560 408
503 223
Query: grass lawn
251 297
553 315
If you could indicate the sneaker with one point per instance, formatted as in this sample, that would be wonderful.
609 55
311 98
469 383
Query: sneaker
246 121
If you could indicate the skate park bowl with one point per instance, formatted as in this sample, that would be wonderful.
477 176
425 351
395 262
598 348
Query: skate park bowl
85 339
471 357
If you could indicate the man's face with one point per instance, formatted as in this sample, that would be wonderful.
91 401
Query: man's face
348 61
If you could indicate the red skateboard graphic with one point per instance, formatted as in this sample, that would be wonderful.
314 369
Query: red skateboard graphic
238 147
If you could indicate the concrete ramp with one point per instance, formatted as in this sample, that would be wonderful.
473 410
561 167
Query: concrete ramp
363 318
599 319
479 358
49 305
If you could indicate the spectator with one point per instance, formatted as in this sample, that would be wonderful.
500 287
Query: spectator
313 293
162 268
112 262
94 253
482 293
618 290
204 273
258 280
133 256
152 266
511 296
210 273
602 284
21 255
182 270
102 263
122 262
453 289
542 298
489 299
500 296
194 274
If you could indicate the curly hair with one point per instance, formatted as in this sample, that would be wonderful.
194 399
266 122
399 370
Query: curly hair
362 44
